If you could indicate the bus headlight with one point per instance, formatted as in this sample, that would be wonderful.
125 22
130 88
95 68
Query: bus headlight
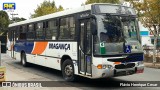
110 66
104 66
139 63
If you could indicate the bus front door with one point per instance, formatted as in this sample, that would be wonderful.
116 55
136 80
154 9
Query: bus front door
12 44
85 59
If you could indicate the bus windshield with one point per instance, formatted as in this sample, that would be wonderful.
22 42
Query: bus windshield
113 32
110 29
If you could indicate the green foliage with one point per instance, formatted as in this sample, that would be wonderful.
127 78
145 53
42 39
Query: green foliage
60 8
45 8
149 14
17 19
4 22
101 1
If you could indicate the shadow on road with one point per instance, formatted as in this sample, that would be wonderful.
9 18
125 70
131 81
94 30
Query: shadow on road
80 82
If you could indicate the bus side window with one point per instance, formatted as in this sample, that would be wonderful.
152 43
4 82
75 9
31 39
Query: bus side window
72 27
31 32
17 33
63 28
39 31
51 30
22 31
67 28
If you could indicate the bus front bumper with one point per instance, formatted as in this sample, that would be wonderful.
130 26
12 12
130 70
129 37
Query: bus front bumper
112 72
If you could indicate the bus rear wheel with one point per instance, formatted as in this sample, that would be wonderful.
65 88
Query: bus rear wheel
23 60
68 70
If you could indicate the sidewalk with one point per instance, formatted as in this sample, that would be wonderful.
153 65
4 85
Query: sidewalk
150 65
17 74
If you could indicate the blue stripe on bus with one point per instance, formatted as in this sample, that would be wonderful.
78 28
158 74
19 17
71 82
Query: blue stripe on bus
26 46
134 58
29 46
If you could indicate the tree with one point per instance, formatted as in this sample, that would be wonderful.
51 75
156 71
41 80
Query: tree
60 8
149 15
101 1
45 8
17 19
4 22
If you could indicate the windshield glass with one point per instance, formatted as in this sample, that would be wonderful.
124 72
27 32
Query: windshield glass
130 28
114 32
111 29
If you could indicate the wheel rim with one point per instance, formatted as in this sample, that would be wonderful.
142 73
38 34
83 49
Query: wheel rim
68 70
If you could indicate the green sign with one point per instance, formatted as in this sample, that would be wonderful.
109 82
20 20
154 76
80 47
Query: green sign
102 48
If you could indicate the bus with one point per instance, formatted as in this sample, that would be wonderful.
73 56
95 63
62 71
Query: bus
95 41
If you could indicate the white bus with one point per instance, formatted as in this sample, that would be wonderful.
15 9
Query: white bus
94 41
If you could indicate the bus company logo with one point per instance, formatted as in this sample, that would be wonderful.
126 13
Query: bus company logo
7 6
84 15
59 46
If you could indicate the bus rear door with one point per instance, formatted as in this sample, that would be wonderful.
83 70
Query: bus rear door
12 43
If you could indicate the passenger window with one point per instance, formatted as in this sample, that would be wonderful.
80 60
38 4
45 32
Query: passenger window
51 30
22 30
31 32
39 31
67 28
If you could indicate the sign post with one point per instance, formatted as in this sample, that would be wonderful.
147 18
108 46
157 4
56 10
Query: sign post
2 69
0 53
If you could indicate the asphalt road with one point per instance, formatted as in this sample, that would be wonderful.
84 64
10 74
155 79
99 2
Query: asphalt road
40 73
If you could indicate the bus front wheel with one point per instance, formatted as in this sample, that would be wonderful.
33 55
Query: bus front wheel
68 70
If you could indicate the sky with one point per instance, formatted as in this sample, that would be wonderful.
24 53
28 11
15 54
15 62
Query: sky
24 8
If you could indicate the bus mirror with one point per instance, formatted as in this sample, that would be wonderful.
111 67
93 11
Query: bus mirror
94 27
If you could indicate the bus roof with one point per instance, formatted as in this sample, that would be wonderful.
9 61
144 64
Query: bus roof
58 14
53 15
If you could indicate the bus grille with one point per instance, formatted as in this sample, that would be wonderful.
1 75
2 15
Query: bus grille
124 66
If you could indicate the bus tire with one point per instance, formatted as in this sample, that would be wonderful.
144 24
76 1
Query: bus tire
24 60
68 70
